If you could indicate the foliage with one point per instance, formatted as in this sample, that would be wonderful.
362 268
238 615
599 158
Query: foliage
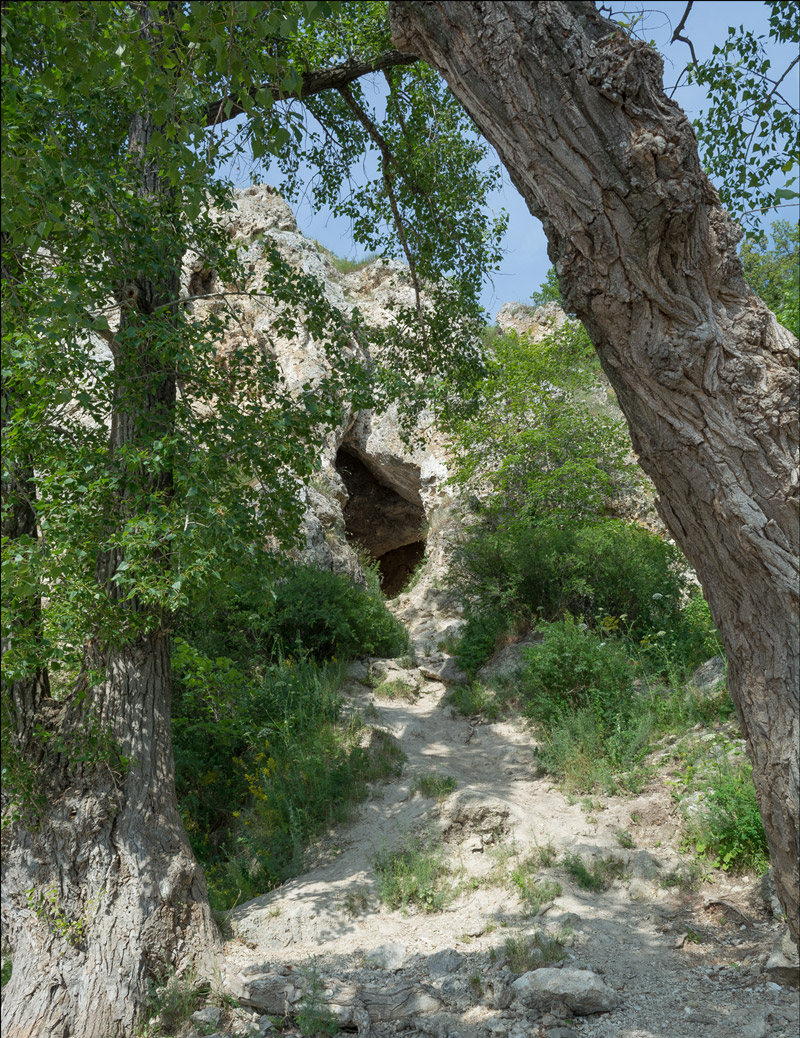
748 135
578 687
99 213
724 828
548 291
262 762
519 573
328 615
291 609
573 669
774 274
414 875
529 446
598 875
434 785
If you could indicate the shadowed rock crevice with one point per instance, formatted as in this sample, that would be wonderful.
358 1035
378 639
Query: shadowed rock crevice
384 522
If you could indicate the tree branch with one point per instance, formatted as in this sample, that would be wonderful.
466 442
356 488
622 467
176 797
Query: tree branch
387 161
335 77
677 35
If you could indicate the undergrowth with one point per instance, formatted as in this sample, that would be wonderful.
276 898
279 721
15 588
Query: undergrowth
414 876
263 759
722 823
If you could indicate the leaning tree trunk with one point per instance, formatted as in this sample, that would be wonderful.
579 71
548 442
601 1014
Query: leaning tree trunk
646 257
102 894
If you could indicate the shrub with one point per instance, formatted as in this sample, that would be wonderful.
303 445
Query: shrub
597 570
574 668
303 610
261 763
578 687
727 831
328 615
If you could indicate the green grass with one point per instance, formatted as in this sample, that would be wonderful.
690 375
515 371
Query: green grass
172 1000
434 785
533 892
395 689
725 831
473 699
414 876
529 951
598 874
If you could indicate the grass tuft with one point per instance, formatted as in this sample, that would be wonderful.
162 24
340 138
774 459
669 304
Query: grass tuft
434 785
599 874
414 875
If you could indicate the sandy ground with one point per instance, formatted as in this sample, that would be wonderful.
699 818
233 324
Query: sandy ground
683 962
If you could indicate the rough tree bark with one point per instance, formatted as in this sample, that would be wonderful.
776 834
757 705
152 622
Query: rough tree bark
101 892
647 259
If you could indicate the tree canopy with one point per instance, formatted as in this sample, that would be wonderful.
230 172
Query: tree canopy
134 463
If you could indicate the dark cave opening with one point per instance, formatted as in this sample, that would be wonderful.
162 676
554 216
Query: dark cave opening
384 523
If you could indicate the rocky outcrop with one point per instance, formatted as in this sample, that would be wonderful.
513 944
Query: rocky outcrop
376 495
379 494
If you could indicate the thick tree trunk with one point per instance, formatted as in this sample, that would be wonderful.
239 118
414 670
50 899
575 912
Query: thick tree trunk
647 258
101 892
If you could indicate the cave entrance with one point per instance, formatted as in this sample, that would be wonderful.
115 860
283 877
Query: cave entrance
386 524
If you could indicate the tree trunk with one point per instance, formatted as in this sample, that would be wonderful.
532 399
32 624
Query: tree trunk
646 257
102 894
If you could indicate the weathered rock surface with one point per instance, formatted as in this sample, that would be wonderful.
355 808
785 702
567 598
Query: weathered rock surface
374 489
581 991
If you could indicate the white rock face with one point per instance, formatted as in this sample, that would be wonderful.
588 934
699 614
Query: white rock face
407 480
581 990
535 321
389 493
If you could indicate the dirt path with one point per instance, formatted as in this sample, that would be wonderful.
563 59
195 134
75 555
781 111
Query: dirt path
681 963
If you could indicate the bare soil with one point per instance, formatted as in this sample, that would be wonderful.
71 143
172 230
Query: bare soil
683 962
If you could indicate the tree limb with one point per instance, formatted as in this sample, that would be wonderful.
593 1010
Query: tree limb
312 83
677 35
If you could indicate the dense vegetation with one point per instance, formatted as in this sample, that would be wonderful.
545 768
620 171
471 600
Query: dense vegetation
618 625
263 757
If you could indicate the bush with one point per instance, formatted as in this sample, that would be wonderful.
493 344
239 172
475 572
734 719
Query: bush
727 831
328 615
261 763
598 570
301 611
578 686
574 668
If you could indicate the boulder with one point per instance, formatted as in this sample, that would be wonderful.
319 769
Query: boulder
582 991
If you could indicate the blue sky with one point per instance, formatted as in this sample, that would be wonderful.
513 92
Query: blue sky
525 262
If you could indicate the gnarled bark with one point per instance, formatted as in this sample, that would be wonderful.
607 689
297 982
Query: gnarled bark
706 377
101 892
